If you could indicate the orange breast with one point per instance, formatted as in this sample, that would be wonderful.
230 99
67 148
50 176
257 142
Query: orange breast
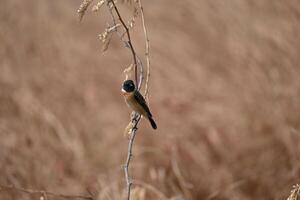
133 104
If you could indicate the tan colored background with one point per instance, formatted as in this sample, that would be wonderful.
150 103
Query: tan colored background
225 92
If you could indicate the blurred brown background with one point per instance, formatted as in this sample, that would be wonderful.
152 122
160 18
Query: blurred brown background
225 92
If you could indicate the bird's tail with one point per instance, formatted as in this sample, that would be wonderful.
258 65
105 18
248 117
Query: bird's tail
153 124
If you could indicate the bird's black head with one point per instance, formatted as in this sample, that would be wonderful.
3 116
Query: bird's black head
128 86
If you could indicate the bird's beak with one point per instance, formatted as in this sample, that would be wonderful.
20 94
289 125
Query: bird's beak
123 90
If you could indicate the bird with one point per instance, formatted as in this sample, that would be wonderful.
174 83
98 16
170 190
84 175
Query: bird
135 101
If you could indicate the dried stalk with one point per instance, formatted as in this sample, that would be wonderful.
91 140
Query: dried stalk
136 117
147 50
113 9
135 122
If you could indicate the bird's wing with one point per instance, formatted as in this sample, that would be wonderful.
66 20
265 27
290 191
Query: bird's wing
140 99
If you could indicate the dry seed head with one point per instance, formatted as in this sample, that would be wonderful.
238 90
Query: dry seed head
131 23
103 36
106 43
128 69
295 192
98 5
83 7
110 5
113 28
128 129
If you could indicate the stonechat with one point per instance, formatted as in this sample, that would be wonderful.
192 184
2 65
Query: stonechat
136 101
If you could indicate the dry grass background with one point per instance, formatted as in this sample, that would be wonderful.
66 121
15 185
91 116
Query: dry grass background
225 91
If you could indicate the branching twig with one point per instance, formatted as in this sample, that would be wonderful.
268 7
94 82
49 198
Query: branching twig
136 118
136 62
44 193
129 40
127 44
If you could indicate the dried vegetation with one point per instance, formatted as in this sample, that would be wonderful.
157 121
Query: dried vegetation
224 90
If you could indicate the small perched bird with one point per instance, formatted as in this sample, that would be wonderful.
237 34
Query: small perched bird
136 101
